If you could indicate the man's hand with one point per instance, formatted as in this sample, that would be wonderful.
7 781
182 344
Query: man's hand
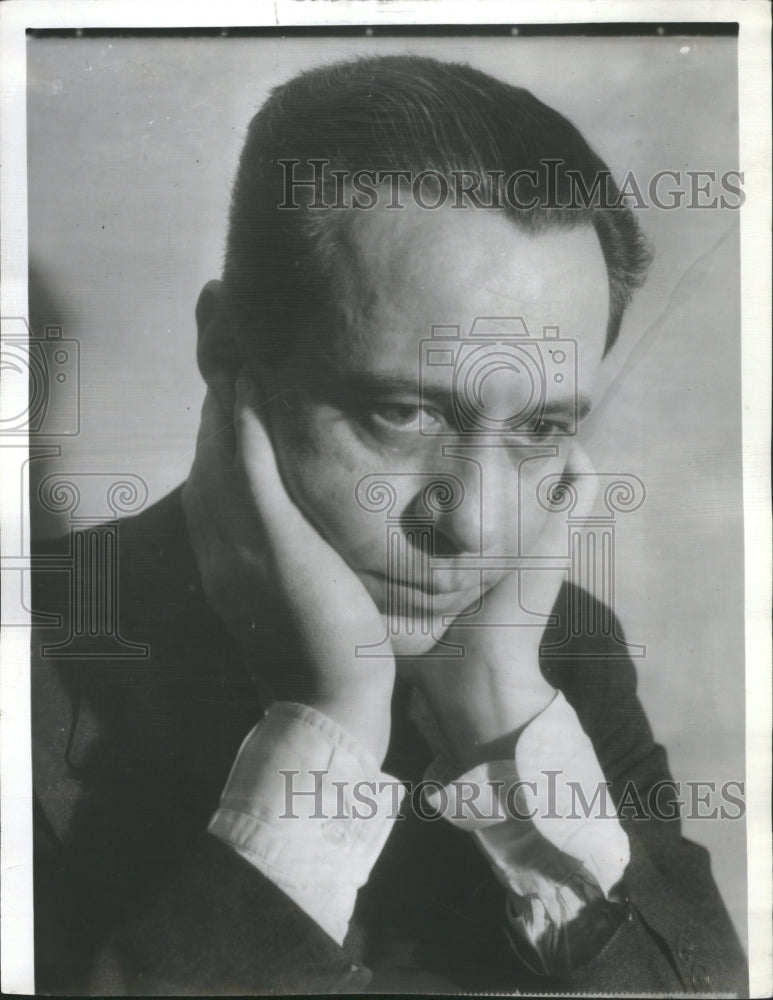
483 699
253 545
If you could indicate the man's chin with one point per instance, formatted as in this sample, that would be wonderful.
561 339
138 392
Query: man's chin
412 636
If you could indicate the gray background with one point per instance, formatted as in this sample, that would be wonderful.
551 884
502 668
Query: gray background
132 148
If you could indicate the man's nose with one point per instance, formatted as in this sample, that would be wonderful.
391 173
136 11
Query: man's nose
486 520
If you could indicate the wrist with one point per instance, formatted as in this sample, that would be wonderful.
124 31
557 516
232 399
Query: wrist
367 720
477 732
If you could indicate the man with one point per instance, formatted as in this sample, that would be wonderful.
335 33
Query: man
348 597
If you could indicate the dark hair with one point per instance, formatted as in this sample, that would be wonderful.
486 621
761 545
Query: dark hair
415 114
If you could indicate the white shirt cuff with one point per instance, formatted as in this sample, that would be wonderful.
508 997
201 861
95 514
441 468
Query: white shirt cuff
545 822
310 808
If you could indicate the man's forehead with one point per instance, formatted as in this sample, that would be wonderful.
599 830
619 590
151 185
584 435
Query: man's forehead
415 246
402 275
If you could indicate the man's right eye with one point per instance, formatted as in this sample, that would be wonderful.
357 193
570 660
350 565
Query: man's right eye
406 418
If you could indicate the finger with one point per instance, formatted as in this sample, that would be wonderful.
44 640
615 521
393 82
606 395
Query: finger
215 441
573 494
257 462
254 446
580 474
212 476
209 490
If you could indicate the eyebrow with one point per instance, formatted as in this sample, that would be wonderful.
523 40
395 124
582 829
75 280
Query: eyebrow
366 384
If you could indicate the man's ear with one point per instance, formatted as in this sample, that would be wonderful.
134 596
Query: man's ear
218 351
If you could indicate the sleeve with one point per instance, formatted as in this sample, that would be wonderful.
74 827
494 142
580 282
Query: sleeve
677 936
662 928
315 828
127 903
552 838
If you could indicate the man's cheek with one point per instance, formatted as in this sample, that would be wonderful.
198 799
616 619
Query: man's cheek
318 489
323 483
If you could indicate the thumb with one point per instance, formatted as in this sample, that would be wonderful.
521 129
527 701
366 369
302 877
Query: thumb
581 476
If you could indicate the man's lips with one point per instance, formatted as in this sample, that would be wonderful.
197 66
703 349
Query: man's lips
441 594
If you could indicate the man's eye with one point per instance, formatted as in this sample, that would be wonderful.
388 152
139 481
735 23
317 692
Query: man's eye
406 417
549 428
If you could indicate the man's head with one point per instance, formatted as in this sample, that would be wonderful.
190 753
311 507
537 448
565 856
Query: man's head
409 115
331 307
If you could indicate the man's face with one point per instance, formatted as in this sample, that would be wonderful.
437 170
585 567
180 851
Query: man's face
371 408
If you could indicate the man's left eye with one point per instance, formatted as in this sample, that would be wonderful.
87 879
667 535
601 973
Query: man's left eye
549 428
405 417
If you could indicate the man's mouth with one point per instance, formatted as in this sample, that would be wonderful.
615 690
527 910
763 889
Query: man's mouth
445 592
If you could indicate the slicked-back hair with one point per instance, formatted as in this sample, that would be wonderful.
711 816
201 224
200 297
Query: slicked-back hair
403 113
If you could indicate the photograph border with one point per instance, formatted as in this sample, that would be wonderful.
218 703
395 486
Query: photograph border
753 18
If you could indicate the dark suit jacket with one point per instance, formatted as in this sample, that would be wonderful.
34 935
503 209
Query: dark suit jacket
132 895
